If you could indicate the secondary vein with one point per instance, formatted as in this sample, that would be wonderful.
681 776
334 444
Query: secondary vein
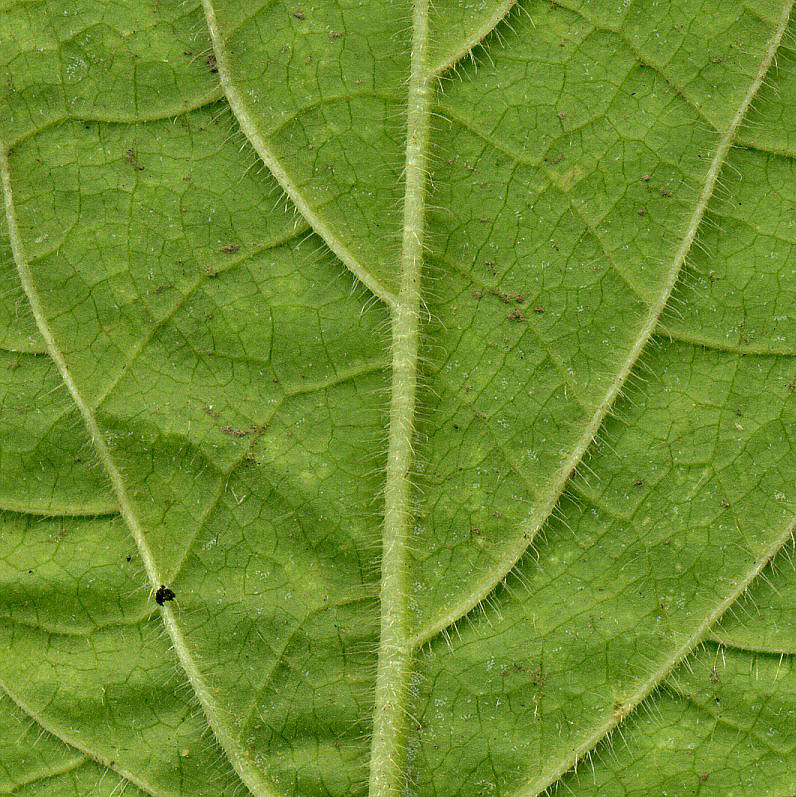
237 755
547 504
395 653
268 157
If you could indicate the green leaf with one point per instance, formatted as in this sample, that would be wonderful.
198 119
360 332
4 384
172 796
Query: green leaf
397 398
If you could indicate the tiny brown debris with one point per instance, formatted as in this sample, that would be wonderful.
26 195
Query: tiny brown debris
664 191
725 503
714 675
211 272
232 431
717 59
299 15
645 178
335 35
230 249
519 298
638 483
484 219
516 315
210 411
212 64
477 294
162 287
642 211
704 776
538 309
132 159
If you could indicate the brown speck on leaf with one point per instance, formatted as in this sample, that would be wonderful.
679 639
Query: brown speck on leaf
645 178
704 776
562 115
642 211
161 288
519 298
638 483
725 503
212 64
664 191
477 294
335 35
230 249
132 159
209 410
516 315
299 15
716 59
211 272
538 309
232 431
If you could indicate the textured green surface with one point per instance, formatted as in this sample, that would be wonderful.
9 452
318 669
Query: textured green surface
438 357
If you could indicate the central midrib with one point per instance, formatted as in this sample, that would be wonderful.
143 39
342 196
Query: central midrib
395 650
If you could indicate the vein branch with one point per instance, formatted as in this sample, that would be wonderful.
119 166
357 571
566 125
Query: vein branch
235 752
547 503
395 652
268 157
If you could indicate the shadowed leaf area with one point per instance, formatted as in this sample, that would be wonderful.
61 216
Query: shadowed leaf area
397 399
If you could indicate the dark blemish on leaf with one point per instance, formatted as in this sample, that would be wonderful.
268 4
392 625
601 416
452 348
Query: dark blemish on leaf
554 161
456 426
164 594
299 15
211 272
212 64
231 431
516 315
538 309
562 115
638 483
716 59
161 288
128 558
208 410
725 503
132 159
704 776
714 675
642 211
230 249
664 191
477 294
187 53
335 35
519 298
475 530
645 178
484 219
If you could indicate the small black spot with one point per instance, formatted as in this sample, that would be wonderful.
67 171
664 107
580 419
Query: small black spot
164 594
212 64
128 558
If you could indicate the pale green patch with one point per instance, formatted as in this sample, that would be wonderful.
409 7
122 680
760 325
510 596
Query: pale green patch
397 398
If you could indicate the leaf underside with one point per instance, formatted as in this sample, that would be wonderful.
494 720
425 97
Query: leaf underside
437 360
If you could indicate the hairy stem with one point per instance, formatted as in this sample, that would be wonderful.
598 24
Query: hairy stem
395 654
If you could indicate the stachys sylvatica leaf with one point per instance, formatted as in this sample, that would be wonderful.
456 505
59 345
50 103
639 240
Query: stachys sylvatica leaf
397 398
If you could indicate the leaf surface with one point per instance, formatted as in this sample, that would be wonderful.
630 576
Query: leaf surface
397 398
